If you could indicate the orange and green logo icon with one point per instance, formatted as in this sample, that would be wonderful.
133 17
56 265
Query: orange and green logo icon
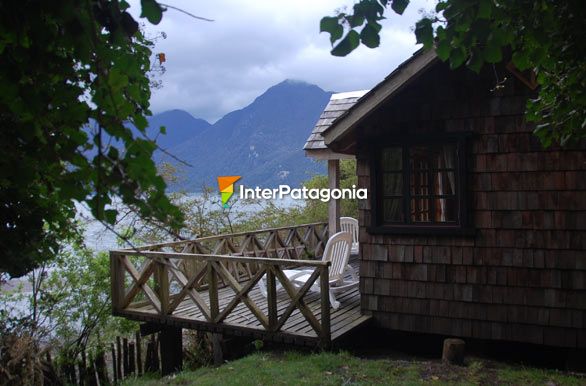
226 185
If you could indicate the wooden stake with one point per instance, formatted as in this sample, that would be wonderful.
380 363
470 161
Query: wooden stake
454 351
131 363
119 358
138 354
125 361
114 369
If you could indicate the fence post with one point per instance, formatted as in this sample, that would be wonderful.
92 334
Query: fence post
213 291
271 297
114 368
131 357
325 338
119 358
126 362
116 281
138 353
162 285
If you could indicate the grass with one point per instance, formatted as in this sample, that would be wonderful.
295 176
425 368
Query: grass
345 369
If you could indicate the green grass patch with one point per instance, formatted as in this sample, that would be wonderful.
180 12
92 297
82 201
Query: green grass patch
345 369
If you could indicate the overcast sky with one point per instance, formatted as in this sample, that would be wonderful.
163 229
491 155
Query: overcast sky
214 68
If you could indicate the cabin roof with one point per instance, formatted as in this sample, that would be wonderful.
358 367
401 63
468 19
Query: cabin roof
339 103
346 121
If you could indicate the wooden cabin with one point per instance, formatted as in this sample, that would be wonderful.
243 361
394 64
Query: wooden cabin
471 228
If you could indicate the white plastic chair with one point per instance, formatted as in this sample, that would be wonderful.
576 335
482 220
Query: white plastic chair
337 251
350 225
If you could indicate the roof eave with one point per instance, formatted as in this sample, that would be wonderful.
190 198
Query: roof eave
382 92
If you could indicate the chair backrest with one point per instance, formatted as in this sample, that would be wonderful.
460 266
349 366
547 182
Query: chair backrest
337 251
350 225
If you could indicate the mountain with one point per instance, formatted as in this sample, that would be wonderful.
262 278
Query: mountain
180 126
262 142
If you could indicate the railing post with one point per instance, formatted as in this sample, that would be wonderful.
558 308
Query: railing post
162 286
325 338
116 281
213 291
271 297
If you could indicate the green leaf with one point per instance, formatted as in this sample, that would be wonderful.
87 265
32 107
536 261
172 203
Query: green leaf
370 9
443 50
457 57
347 45
369 35
117 80
485 9
356 20
492 53
424 32
152 11
475 61
163 130
331 25
521 60
110 216
399 6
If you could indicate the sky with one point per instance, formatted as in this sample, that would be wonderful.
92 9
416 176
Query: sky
213 68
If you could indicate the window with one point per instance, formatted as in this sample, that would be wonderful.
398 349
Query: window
419 186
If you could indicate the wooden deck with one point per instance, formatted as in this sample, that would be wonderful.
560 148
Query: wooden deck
212 284
242 322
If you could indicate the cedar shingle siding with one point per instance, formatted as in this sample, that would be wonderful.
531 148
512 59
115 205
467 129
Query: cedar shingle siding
522 276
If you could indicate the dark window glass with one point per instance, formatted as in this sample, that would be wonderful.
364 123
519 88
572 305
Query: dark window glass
431 172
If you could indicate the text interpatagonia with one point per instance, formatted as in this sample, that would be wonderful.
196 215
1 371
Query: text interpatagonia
303 193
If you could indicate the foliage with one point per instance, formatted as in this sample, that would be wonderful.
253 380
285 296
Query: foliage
76 298
20 354
68 311
544 36
73 75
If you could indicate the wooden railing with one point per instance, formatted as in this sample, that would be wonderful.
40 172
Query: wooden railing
291 242
193 272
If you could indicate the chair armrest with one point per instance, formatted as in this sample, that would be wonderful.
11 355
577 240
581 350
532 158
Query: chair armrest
352 272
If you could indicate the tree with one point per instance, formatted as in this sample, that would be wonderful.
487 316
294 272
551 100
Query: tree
540 35
73 77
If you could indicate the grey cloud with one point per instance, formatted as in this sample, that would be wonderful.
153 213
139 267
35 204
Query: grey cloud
214 68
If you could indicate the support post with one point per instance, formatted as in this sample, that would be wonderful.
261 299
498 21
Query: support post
162 286
325 338
333 205
116 282
272 298
171 340
217 341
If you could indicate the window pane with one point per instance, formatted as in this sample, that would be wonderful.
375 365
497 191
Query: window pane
446 210
393 184
420 210
420 183
420 157
392 159
445 183
445 156
392 210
